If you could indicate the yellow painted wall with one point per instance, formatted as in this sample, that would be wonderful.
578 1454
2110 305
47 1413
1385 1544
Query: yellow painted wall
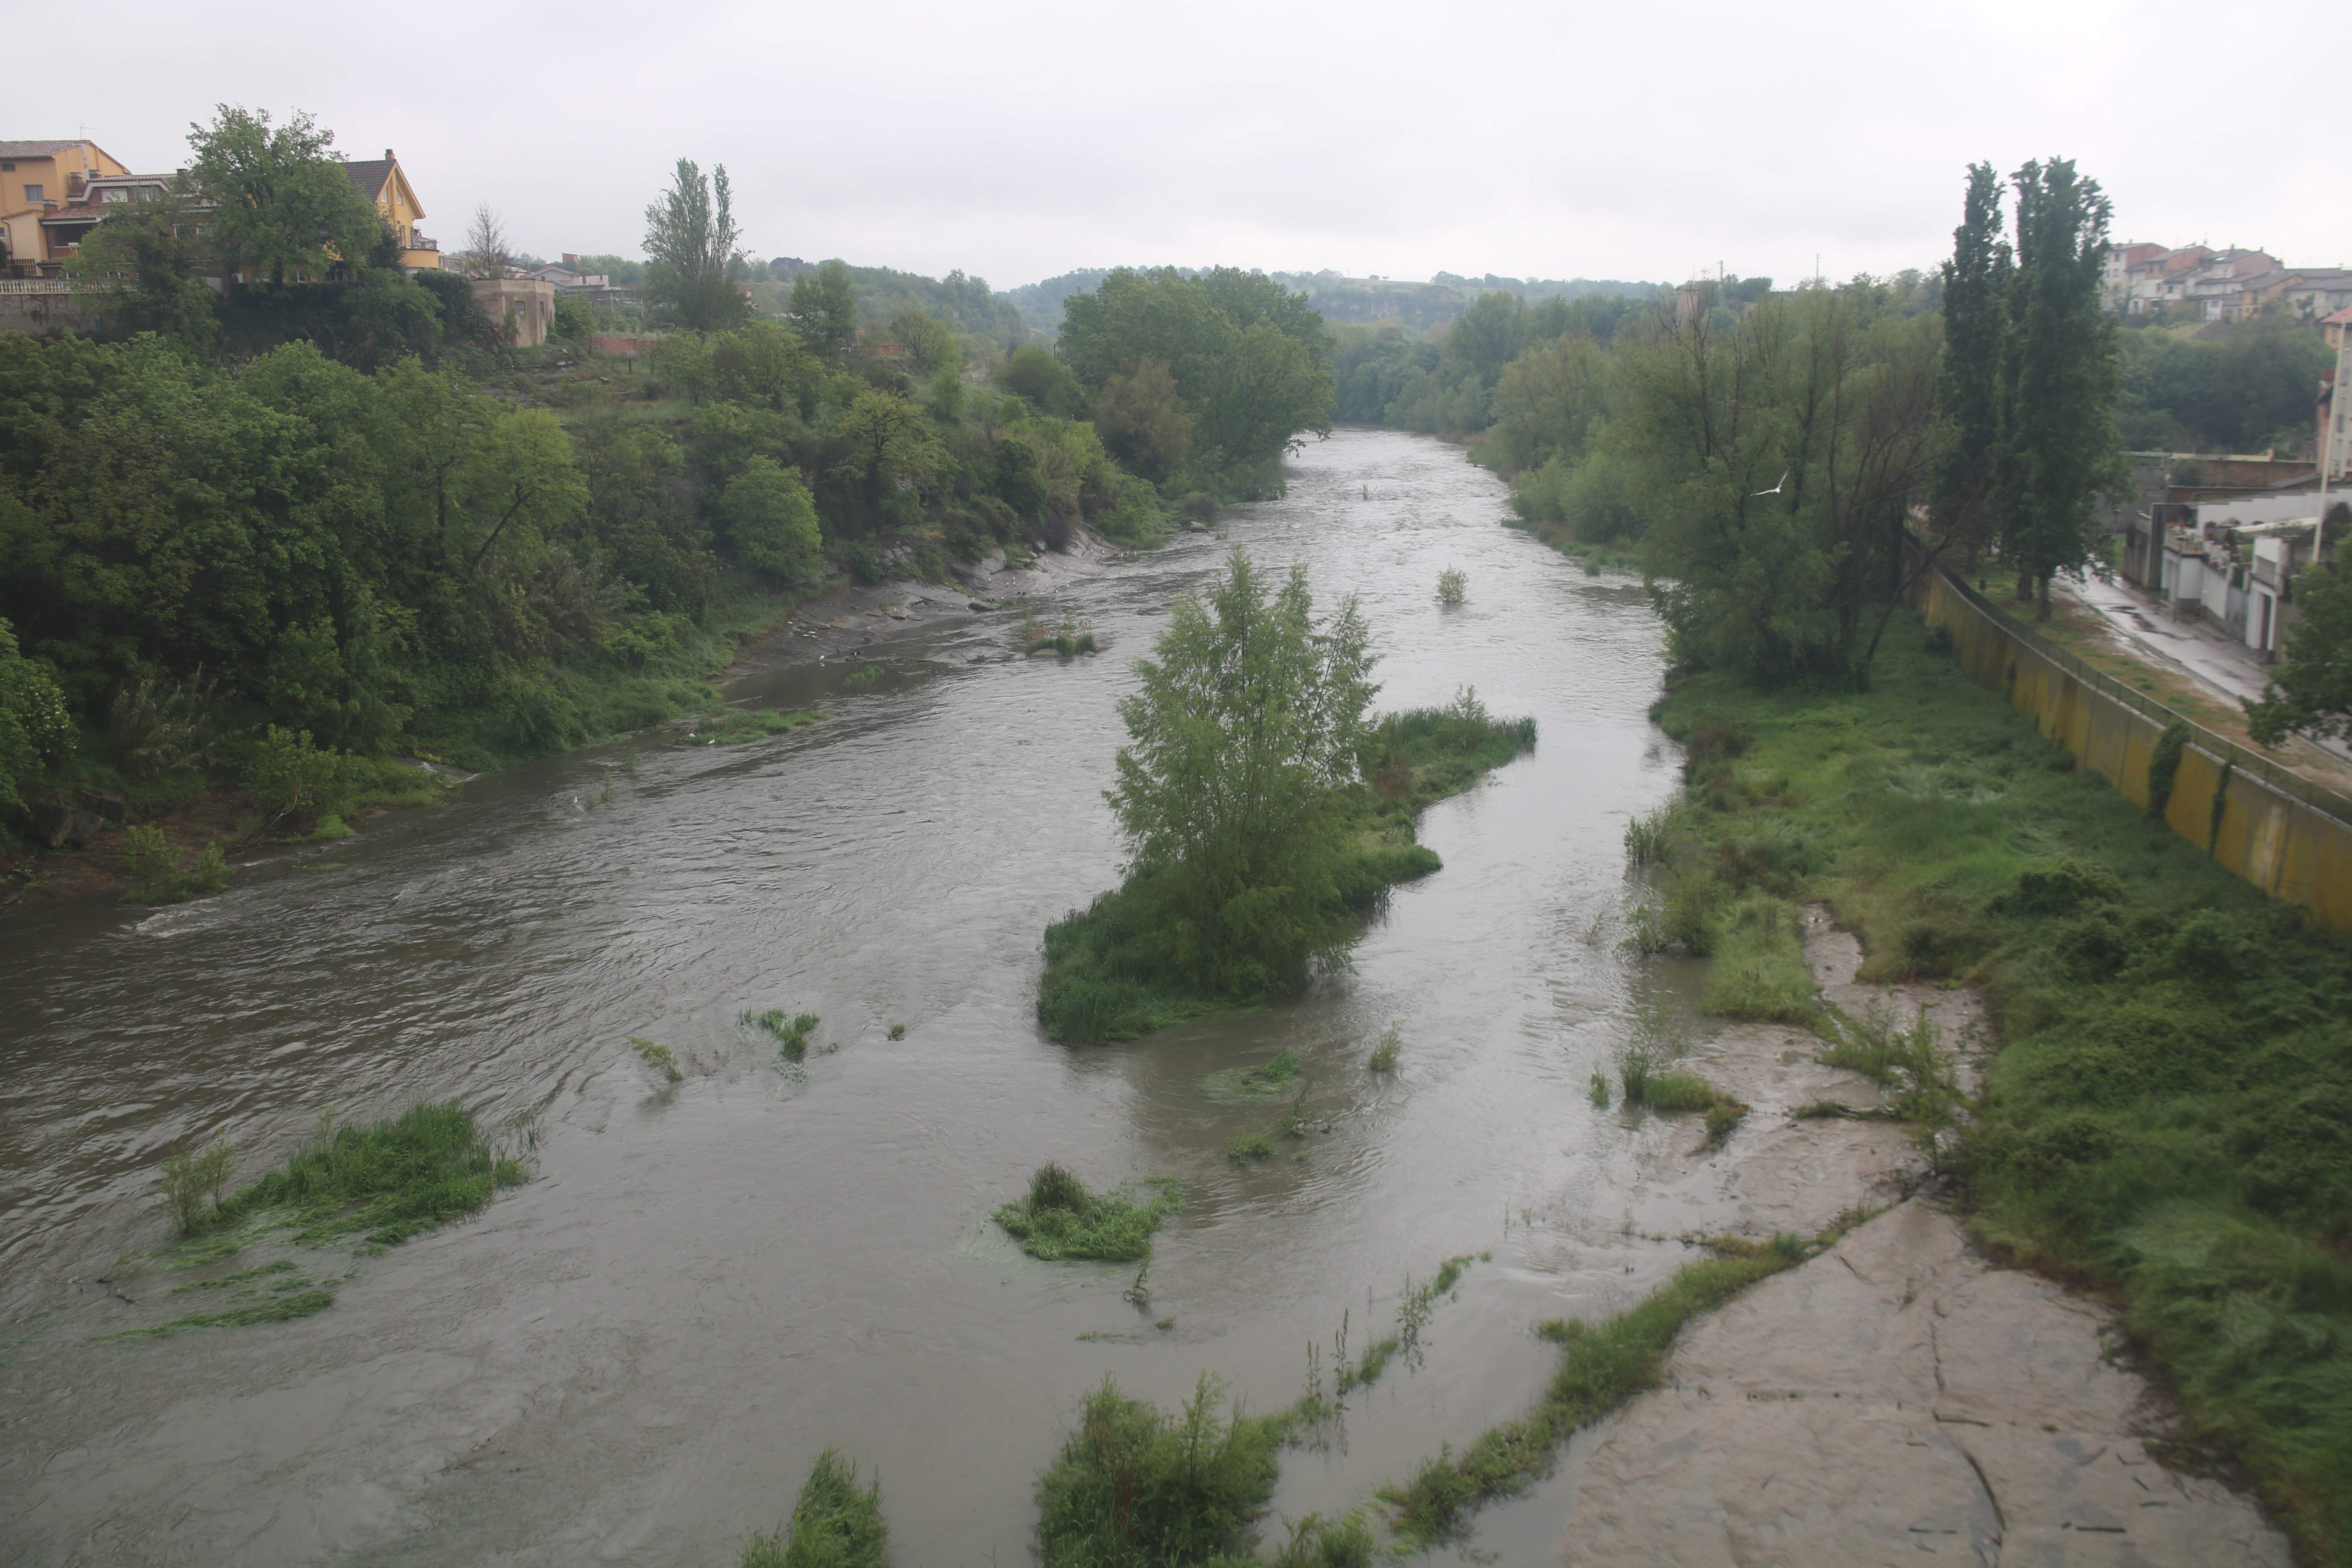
2286 847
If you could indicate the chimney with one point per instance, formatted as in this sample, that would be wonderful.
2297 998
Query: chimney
73 187
387 154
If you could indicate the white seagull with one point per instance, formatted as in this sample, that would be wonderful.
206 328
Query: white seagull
1774 490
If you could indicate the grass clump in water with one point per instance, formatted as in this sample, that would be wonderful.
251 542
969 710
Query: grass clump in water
835 1524
737 725
1135 1487
388 1181
791 1031
192 1179
1248 1146
1452 585
1386 1050
656 1056
1059 1219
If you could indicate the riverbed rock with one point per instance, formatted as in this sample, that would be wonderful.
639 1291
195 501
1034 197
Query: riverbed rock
1899 1397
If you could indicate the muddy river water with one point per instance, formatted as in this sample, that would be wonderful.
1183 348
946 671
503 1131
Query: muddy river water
637 1356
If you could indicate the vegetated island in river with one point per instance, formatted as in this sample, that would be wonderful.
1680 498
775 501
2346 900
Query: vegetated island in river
1264 814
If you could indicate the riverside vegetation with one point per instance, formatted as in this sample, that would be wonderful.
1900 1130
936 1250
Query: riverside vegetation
2166 1119
1263 811
350 512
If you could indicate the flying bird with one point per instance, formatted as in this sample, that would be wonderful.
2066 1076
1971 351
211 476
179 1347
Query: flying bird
1774 490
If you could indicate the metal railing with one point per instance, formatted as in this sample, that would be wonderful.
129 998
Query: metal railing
35 286
2318 796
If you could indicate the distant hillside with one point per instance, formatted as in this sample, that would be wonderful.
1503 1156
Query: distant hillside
1415 306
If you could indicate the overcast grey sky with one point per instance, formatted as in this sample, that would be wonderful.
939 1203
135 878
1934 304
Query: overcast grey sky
1019 141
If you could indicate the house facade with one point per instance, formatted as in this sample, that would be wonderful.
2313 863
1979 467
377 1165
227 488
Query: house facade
381 181
38 179
2336 408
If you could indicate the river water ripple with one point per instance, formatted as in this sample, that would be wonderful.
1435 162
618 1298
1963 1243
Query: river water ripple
637 1356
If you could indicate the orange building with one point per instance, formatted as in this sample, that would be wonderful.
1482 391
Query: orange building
36 180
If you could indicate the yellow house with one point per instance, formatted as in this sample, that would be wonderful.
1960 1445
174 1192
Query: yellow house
381 182
38 178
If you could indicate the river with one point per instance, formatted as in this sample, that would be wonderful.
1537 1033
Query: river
637 1356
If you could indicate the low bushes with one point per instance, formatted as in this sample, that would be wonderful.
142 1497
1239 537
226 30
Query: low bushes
835 1524
1059 1218
1135 1487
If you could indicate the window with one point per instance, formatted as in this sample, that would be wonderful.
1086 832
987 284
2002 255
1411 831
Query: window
115 194
33 192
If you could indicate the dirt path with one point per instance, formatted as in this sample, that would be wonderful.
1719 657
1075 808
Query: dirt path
1898 1396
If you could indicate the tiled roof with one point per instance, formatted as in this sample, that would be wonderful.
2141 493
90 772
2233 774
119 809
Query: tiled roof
36 149
2342 317
370 175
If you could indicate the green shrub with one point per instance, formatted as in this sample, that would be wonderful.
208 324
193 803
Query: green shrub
833 1524
1247 1146
1134 1488
1452 585
287 775
1061 1219
791 1032
1386 1049
160 875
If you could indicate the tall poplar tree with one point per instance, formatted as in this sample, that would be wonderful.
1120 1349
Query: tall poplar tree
2059 368
1976 319
692 249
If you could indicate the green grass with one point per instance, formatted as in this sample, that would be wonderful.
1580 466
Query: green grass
737 725
1063 642
1907 1059
1060 1219
1109 971
658 1057
835 1524
242 1277
1386 1049
1600 1368
387 1181
1137 1488
2168 1119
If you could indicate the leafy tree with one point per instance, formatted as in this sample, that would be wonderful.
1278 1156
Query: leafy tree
1043 382
1143 421
1249 717
691 246
823 311
2058 449
930 341
1016 480
282 205
1975 321
1548 403
766 517
36 728
2310 691
886 455
148 262
1775 456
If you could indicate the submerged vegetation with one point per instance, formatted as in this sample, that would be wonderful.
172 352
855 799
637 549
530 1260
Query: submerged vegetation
737 725
1264 814
1059 1219
2165 1117
790 1031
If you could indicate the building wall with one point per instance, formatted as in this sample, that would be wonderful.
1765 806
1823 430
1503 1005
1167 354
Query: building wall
2221 802
532 301
49 172
40 315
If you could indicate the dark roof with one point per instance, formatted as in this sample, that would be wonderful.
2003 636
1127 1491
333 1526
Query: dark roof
36 149
370 175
